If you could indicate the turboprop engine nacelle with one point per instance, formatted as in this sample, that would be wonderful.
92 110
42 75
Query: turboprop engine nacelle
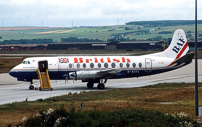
84 75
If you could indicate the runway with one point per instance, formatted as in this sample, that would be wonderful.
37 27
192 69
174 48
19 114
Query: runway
13 91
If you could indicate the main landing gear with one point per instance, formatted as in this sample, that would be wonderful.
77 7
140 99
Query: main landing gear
101 86
31 87
90 84
101 83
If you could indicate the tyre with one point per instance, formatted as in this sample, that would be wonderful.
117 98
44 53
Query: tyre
100 86
31 87
90 84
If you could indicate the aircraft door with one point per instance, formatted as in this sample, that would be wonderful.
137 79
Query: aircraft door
43 65
148 65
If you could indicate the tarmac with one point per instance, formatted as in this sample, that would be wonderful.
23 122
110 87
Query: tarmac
12 90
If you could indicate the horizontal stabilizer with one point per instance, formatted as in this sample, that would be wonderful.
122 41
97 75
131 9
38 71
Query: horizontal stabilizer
185 59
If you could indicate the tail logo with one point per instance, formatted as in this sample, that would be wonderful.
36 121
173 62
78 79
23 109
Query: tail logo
179 45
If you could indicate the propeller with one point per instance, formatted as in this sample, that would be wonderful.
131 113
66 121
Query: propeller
72 75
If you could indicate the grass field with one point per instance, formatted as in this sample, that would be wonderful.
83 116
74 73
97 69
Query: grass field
102 33
165 97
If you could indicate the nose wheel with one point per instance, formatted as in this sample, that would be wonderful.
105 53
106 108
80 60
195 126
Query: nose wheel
31 87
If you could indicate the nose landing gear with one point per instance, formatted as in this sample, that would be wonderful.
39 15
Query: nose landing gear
101 86
31 87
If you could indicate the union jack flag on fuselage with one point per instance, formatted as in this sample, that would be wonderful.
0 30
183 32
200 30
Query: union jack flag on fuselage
63 60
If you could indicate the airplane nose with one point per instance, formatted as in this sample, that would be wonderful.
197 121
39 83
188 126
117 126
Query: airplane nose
12 73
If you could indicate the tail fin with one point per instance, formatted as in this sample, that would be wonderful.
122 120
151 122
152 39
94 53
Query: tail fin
178 46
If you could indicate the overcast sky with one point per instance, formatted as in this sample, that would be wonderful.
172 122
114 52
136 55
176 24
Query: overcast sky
65 13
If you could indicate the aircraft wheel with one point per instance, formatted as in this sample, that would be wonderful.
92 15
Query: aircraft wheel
31 87
39 88
90 84
100 86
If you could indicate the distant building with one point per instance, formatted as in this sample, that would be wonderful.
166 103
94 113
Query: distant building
134 45
192 45
23 47
138 45
77 46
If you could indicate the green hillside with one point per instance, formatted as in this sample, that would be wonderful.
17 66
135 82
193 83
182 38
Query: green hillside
131 31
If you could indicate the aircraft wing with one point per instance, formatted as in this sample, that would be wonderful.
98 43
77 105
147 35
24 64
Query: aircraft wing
93 74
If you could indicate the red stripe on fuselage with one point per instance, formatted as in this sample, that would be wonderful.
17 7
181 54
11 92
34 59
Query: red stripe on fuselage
179 55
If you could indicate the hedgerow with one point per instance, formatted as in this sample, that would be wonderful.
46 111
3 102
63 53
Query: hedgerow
94 118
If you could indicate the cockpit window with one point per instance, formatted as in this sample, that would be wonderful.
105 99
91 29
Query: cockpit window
25 62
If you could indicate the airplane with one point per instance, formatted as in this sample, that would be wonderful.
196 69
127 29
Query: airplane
98 69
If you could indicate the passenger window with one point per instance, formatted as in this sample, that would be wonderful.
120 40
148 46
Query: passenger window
134 65
70 65
106 65
140 64
121 65
84 65
99 65
78 65
113 65
128 65
91 65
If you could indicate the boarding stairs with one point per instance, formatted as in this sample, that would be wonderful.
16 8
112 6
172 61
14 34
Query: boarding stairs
44 80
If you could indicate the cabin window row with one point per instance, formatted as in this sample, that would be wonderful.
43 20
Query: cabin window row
106 65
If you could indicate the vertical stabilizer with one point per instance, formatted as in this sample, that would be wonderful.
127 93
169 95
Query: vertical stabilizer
178 46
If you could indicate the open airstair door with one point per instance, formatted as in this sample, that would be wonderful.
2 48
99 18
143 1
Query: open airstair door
148 65
44 76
